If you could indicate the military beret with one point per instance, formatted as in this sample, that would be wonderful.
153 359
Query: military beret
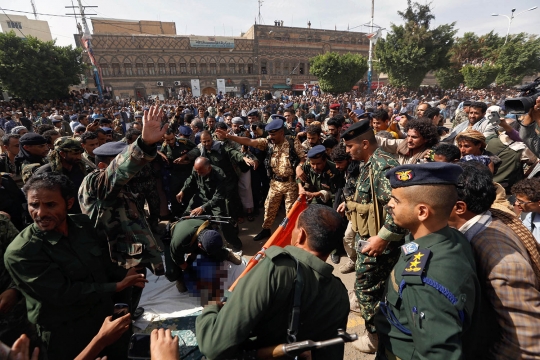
227 114
358 112
55 121
316 151
107 130
467 103
274 125
32 139
138 116
211 241
253 112
356 129
237 121
116 114
66 143
185 130
104 121
289 105
112 148
73 117
277 116
334 106
433 173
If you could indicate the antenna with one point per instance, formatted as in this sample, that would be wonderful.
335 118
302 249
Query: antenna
261 20
34 9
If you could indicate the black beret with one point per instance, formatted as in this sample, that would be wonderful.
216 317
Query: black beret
104 121
275 124
433 173
107 130
227 114
32 139
356 129
316 151
112 148
467 103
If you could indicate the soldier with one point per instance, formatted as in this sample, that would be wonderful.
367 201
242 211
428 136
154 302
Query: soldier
7 158
173 150
64 271
377 236
260 306
207 190
89 142
33 150
322 177
253 116
461 115
432 292
313 134
118 125
193 237
284 154
113 209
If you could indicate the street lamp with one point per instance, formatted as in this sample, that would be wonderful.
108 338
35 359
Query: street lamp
510 18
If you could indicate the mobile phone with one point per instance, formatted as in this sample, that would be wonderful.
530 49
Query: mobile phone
119 310
139 347
361 245
494 118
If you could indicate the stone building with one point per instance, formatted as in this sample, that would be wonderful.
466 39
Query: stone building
142 58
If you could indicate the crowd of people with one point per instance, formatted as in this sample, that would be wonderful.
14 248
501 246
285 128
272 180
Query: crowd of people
438 221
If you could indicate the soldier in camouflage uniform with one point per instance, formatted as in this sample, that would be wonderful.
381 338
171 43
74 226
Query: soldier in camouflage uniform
114 210
462 115
322 177
13 318
32 154
371 223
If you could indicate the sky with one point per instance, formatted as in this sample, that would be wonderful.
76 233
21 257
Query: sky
230 18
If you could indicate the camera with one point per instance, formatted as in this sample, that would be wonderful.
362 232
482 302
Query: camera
524 103
242 128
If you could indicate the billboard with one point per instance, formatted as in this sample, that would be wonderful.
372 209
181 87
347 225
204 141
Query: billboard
195 87
216 42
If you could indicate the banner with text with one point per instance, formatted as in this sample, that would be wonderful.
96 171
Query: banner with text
221 86
195 87
211 42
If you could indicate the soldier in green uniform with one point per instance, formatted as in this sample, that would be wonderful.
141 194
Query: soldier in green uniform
377 236
33 150
173 150
64 271
432 292
194 236
322 177
113 209
206 192
257 314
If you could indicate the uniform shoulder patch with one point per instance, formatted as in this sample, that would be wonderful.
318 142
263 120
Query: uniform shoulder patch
416 265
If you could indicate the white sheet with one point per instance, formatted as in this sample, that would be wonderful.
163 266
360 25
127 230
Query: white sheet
161 300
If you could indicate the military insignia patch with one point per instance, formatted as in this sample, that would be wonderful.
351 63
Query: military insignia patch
404 175
409 248
416 265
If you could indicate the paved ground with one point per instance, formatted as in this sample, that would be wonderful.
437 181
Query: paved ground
355 323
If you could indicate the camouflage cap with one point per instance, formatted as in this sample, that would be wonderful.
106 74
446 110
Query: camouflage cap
28 170
68 144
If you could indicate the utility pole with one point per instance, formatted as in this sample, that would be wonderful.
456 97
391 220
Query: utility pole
86 41
34 9
260 16
370 57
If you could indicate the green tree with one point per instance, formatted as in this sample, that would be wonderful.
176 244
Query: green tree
338 73
411 50
34 69
479 76
449 77
520 57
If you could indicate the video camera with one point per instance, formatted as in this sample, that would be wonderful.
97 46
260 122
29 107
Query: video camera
522 105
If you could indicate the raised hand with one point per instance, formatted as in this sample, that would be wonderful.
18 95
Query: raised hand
152 131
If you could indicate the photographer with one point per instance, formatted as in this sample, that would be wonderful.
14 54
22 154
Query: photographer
527 130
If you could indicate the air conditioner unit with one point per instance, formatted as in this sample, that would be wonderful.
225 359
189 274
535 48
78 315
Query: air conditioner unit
288 81
159 83
177 83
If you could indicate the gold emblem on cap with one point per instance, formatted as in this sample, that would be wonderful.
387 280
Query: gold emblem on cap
404 175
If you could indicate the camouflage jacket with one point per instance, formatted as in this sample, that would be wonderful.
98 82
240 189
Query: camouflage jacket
379 163
106 199
460 117
326 182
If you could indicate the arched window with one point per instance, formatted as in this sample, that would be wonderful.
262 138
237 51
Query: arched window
104 68
128 69
151 67
139 67
161 67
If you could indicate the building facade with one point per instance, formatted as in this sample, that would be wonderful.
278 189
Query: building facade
23 27
138 60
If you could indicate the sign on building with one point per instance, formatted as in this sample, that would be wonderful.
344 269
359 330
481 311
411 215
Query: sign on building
221 86
215 42
195 87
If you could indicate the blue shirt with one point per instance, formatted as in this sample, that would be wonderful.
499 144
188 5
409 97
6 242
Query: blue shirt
532 223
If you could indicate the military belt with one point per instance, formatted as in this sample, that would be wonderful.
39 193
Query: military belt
283 179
